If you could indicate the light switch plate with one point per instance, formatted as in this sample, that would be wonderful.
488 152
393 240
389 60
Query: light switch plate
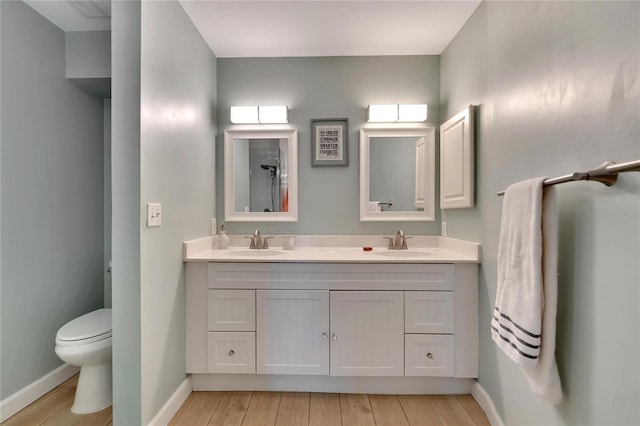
154 211
444 229
214 226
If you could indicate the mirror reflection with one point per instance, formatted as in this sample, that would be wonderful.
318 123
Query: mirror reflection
393 174
261 175
397 173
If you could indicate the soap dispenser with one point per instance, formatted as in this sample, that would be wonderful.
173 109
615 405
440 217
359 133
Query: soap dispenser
223 239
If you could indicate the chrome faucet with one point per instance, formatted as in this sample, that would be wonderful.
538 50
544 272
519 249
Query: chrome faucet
399 242
258 242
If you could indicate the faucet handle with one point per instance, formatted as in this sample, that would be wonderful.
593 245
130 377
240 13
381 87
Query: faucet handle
253 242
391 243
404 243
265 245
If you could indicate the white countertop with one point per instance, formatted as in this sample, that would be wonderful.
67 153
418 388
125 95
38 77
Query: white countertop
335 249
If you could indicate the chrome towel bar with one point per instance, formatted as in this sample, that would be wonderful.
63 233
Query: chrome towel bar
606 173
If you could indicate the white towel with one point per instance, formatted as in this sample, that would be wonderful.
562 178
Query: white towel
524 317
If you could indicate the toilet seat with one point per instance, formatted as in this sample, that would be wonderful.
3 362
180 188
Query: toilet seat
88 328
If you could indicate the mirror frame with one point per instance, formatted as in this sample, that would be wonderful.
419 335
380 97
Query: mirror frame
426 133
229 184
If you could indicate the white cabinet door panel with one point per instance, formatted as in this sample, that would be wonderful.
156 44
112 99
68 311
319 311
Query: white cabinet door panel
456 161
429 312
232 310
292 333
367 333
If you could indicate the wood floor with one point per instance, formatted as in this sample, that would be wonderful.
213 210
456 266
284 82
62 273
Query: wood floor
54 409
274 408
322 409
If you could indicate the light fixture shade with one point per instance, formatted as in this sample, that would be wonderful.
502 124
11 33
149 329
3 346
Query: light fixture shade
244 114
275 114
382 113
412 113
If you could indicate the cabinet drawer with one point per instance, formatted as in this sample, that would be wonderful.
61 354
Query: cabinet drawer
428 355
232 310
232 352
428 312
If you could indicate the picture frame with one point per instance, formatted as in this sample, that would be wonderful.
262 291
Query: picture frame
329 142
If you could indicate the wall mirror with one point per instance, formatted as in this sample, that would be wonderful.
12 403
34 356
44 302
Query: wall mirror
397 173
261 175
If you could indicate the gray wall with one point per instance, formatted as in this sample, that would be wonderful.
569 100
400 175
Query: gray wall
178 98
52 199
107 201
126 212
88 61
325 87
557 85
88 54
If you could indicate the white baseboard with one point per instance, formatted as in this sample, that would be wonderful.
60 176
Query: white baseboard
25 396
486 403
173 404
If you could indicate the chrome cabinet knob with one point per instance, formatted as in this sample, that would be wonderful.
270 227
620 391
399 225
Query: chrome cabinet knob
430 356
231 352
334 336
324 335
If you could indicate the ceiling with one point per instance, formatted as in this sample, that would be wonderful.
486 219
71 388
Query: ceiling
74 15
328 28
268 28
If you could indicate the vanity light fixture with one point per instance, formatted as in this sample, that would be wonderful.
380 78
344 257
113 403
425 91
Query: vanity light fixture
405 113
414 113
244 114
382 113
274 114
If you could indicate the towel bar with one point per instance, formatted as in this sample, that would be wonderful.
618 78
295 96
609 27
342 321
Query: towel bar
606 173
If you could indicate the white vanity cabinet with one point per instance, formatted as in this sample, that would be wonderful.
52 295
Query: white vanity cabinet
327 320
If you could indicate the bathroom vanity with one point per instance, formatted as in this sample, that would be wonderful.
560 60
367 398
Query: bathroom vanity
331 317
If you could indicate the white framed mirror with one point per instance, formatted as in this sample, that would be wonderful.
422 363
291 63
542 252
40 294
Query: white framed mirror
261 175
397 173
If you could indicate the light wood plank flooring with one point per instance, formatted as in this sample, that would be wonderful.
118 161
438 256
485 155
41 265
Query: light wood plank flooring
324 409
274 408
54 409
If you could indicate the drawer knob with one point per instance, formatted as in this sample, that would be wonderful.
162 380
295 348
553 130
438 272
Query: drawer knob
324 335
334 336
429 356
232 352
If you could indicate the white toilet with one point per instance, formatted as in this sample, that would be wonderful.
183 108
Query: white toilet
86 342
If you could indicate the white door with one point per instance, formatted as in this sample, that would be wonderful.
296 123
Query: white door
367 333
292 335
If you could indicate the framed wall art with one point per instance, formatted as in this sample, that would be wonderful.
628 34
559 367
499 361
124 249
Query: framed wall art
330 142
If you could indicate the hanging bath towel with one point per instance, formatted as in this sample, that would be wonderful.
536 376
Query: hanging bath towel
524 317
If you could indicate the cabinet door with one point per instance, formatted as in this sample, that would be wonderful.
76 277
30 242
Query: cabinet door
232 310
292 331
367 333
429 312
456 161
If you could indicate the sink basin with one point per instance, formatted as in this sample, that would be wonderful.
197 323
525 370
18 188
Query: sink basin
253 253
404 253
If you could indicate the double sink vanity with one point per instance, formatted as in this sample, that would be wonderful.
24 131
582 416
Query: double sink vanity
329 316
337 313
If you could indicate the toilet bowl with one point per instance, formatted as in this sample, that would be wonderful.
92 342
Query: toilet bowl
86 342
